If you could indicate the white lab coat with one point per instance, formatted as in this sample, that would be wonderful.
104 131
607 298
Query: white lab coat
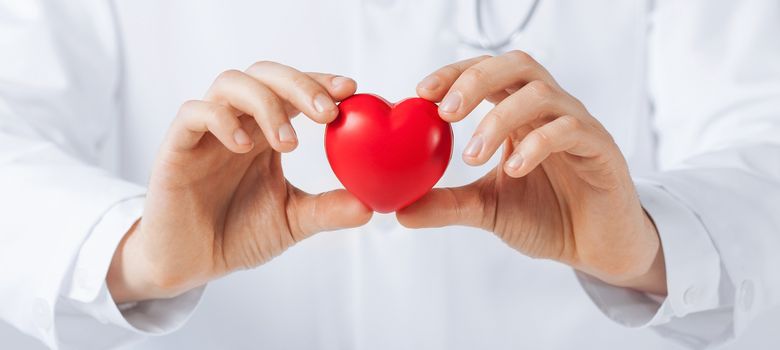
689 89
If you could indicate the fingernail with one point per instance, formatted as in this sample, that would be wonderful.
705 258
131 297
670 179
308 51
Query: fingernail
323 103
241 137
515 161
339 80
430 82
451 102
474 147
286 133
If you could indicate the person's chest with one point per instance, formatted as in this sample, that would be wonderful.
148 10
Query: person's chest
172 51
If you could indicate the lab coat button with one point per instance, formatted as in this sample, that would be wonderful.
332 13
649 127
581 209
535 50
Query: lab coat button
746 295
42 314
690 296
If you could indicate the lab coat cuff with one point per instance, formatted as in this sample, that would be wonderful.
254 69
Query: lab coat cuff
94 257
89 292
691 260
149 317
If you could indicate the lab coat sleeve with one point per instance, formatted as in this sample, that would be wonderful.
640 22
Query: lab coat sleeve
715 81
85 292
61 212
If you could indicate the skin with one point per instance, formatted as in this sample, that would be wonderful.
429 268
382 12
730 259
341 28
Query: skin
562 189
217 200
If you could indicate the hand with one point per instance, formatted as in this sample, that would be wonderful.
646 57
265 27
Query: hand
562 190
217 199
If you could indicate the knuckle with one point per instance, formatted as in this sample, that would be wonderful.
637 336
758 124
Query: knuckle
520 57
268 100
540 138
260 66
230 74
216 111
448 72
487 204
218 115
500 118
474 76
577 103
541 91
302 82
187 107
454 70
570 123
524 71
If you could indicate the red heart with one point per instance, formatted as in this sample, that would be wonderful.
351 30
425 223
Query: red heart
388 155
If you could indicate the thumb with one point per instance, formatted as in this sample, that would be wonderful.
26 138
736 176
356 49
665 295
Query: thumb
445 207
328 211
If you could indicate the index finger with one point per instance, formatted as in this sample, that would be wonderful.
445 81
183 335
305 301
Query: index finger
434 86
298 89
487 77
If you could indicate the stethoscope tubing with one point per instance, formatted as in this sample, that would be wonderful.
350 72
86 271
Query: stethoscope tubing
484 42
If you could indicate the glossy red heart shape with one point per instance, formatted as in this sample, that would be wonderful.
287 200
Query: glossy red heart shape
388 155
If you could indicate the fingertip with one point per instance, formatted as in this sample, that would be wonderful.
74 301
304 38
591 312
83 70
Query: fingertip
416 214
364 215
406 218
513 166
356 205
342 87
449 117
242 149
512 172
450 108
430 88
427 94
242 142
326 118
333 115
284 147
360 214
471 161
286 139
325 107
473 152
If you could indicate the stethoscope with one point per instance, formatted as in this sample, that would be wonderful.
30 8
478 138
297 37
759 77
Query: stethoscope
484 42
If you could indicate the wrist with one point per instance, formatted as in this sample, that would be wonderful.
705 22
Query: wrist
652 278
125 279
121 284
